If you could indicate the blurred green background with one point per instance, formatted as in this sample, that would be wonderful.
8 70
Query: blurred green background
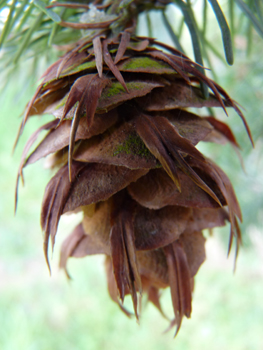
42 312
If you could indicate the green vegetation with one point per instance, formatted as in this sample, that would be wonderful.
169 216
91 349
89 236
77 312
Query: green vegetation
114 89
133 145
144 62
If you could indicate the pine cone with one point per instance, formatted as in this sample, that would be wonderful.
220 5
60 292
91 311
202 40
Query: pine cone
125 147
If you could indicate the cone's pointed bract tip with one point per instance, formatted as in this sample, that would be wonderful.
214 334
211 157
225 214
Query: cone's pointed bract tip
45 248
125 149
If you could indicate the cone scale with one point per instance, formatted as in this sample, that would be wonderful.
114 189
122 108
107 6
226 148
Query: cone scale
123 146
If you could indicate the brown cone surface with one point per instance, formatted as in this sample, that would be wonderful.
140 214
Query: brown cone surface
125 148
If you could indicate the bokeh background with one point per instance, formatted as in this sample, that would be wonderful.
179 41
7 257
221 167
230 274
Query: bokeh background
39 312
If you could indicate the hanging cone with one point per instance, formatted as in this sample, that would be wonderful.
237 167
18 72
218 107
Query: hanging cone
124 145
